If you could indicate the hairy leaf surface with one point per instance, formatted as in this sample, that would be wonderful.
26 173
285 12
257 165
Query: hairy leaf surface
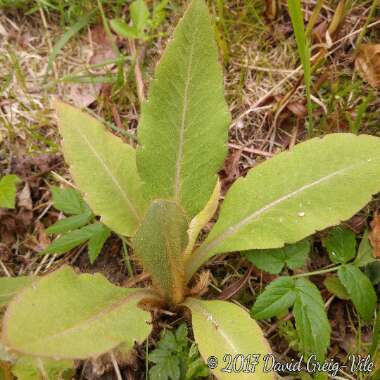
317 184
159 243
10 286
103 167
221 327
70 316
185 120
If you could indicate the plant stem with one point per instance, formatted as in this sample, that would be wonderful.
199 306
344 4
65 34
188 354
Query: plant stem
127 259
333 269
364 29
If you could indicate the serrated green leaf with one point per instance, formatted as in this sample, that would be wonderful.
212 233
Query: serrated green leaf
360 289
334 286
70 316
68 200
159 243
223 328
97 241
28 368
70 223
315 185
274 260
365 254
185 120
8 191
312 325
10 286
276 299
120 27
104 168
341 245
72 239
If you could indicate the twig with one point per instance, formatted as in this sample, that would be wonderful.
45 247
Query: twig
116 366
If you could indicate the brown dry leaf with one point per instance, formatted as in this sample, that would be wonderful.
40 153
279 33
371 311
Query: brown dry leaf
297 108
24 198
82 95
42 236
103 49
367 63
374 235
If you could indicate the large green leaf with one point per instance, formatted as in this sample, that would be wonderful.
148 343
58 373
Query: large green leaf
10 286
104 168
222 328
317 184
159 243
69 316
360 290
312 325
184 123
276 299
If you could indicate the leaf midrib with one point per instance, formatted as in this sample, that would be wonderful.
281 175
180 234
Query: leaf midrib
203 251
82 323
113 178
177 180
210 318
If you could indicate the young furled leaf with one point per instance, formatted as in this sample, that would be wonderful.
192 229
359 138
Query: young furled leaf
8 191
274 260
69 316
159 243
360 289
276 299
185 120
104 168
201 219
341 245
315 185
312 325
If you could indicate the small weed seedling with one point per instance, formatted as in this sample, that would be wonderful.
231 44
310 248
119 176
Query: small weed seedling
161 195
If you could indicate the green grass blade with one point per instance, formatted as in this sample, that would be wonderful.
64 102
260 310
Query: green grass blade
71 32
295 12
